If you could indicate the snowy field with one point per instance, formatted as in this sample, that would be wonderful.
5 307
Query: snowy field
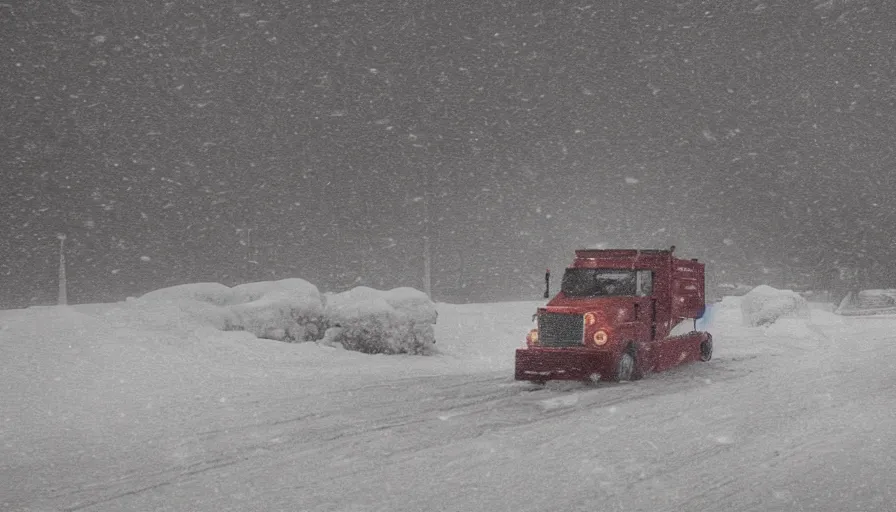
118 407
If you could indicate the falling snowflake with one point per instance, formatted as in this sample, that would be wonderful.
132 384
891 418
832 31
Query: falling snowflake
631 181
145 258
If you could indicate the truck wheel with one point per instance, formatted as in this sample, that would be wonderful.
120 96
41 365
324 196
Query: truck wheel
706 349
626 366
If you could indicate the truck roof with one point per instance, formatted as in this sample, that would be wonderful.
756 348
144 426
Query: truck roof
589 258
619 253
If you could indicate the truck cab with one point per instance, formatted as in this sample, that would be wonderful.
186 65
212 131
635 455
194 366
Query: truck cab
619 314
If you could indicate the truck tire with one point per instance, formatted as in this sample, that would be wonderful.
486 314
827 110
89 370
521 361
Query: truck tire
637 371
706 349
625 368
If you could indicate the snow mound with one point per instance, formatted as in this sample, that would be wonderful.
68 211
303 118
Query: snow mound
212 293
398 321
285 310
764 305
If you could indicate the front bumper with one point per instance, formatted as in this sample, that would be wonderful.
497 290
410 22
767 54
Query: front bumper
543 364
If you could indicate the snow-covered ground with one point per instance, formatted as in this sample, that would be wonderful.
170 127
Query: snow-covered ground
115 407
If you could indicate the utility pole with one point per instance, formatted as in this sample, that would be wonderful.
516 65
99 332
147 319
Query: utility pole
424 175
249 276
427 252
248 254
63 292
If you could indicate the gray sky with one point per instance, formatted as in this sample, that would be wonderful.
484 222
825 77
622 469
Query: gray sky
155 134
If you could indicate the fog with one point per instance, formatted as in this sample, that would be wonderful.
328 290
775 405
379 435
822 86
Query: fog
239 141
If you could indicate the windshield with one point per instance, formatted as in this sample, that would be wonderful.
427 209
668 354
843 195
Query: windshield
598 282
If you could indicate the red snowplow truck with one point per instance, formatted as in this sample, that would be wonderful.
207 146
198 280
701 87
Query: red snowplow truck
620 313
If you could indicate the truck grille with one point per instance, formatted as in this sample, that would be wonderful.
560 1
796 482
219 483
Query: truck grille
559 330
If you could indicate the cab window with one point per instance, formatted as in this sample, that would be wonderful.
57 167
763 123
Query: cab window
644 286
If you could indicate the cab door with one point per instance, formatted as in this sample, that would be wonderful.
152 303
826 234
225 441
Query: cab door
646 316
660 351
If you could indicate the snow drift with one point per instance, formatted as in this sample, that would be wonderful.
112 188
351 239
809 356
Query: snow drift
398 321
764 305
285 310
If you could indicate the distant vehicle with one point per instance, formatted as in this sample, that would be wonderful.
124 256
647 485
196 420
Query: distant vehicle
868 302
620 313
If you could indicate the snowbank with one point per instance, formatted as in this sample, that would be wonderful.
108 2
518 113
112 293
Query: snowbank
212 293
398 321
764 305
285 310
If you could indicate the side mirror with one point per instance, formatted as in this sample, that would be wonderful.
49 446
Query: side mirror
547 283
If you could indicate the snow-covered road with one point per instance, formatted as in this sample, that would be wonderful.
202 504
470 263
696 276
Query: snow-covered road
789 420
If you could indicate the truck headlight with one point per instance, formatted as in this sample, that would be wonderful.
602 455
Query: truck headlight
532 338
601 337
